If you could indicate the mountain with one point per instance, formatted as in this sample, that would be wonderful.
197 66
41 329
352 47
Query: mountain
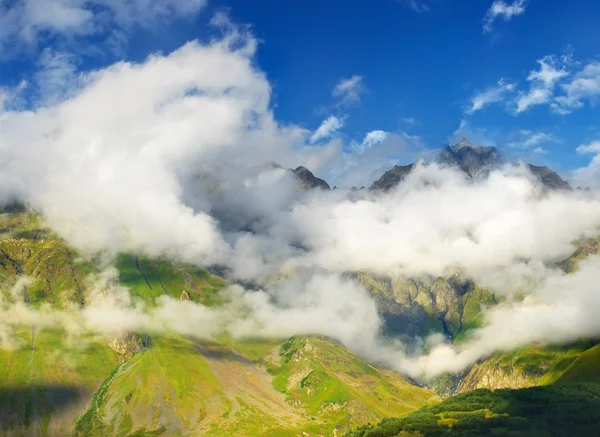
421 306
392 178
308 180
548 178
53 383
476 162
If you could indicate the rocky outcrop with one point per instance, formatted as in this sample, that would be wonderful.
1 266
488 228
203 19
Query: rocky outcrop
493 376
125 344
417 307
185 295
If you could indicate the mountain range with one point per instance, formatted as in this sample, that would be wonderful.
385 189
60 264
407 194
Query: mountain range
475 162
54 382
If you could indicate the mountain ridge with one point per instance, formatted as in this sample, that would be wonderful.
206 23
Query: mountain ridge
475 162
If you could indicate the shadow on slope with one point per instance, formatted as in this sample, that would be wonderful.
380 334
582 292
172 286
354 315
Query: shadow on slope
30 406
559 410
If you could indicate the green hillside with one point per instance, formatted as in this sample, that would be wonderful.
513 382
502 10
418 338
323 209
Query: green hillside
54 384
558 410
585 368
179 387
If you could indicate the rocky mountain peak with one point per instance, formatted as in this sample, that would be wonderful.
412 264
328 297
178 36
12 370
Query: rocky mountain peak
392 177
548 178
463 143
475 161
308 180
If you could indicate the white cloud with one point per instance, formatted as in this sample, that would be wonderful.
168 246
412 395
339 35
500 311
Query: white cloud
328 127
410 121
551 71
584 86
479 136
501 9
491 95
349 90
535 96
165 156
528 140
84 161
23 21
593 147
416 5
589 176
372 139
56 76
561 310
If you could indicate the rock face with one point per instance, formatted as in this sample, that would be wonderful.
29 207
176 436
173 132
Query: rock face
492 376
308 180
475 161
549 179
125 344
393 177
418 307
185 295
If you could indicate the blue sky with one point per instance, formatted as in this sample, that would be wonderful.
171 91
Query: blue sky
432 69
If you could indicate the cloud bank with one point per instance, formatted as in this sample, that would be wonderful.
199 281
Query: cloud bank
174 156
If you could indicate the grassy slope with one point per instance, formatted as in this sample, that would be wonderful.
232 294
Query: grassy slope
149 279
522 368
45 387
334 384
585 368
559 410
178 387
29 248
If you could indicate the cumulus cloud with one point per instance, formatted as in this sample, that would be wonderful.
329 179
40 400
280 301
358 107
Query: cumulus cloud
526 139
109 164
25 21
491 95
328 127
371 139
561 310
503 10
349 90
126 160
551 71
585 85
589 176
444 221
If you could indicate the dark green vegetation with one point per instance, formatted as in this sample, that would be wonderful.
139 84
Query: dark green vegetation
558 410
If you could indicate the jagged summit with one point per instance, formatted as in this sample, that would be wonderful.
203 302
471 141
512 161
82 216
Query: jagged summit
392 177
475 161
548 178
463 143
308 180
